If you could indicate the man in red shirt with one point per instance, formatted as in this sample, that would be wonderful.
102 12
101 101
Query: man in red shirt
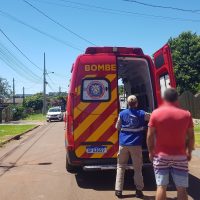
170 141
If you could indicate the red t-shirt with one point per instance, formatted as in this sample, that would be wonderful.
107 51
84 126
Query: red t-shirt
171 124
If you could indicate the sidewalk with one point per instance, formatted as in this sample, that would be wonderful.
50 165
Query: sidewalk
196 152
24 122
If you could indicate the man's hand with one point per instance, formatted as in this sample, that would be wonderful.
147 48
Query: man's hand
190 143
118 124
189 156
147 116
150 142
151 157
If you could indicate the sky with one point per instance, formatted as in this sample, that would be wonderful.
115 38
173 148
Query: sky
133 26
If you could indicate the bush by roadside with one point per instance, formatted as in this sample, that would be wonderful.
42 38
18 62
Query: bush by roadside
18 112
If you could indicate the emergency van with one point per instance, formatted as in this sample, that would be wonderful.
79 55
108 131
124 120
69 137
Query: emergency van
93 102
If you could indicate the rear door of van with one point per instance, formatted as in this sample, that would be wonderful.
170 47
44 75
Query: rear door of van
96 107
163 72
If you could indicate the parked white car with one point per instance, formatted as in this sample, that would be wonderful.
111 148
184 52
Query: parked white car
54 113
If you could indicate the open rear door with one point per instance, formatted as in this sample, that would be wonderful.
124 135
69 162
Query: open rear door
163 70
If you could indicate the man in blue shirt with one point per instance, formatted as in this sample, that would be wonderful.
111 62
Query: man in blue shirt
131 124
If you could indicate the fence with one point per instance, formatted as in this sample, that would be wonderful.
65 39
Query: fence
191 102
7 114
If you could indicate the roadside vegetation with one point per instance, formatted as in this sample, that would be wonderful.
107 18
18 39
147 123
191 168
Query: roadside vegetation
185 54
31 108
197 140
197 135
8 131
197 128
35 117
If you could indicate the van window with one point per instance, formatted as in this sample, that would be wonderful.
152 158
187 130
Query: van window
95 89
164 83
159 61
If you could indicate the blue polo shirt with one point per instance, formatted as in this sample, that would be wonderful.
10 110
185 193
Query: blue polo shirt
131 119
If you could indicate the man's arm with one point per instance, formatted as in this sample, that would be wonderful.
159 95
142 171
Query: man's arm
147 116
150 142
190 142
118 124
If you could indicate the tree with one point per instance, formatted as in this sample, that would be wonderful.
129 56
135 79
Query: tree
35 102
121 89
4 87
186 61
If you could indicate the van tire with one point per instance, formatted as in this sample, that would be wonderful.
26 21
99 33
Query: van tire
69 167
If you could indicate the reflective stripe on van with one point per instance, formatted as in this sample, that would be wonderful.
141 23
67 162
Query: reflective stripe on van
133 129
94 122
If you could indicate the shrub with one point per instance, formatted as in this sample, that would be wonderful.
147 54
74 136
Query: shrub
18 112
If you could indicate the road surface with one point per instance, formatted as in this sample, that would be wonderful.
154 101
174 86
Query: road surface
33 168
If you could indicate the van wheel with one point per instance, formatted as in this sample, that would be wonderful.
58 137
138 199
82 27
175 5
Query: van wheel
69 167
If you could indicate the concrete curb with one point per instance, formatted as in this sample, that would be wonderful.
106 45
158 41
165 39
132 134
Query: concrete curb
17 136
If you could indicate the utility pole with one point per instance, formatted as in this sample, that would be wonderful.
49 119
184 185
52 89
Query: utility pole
59 90
44 87
23 94
44 110
13 91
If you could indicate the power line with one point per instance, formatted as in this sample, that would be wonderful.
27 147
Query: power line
10 61
163 7
7 15
14 63
59 24
19 49
51 80
117 11
49 85
74 7
129 12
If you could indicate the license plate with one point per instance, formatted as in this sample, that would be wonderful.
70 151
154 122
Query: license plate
99 149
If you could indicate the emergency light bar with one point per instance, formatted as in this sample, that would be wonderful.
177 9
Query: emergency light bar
120 50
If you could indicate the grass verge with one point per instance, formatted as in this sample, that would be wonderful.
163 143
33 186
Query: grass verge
35 117
197 140
197 128
8 131
197 135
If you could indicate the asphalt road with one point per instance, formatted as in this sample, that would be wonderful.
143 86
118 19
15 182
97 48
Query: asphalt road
33 168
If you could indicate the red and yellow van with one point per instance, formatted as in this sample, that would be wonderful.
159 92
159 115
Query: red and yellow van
93 102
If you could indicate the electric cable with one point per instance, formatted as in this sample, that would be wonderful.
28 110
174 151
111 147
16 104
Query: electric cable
163 7
13 62
125 12
11 17
59 24
19 49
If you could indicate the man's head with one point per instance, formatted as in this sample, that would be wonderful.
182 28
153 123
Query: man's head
170 95
132 101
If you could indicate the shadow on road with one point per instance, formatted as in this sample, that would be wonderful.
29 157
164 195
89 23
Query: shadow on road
105 181
194 189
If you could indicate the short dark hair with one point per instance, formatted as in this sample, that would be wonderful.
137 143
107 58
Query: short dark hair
171 95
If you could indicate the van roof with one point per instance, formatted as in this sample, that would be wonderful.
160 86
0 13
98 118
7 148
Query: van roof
118 50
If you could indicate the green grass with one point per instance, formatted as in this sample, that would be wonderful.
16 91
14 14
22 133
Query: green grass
197 140
35 117
197 135
197 128
7 131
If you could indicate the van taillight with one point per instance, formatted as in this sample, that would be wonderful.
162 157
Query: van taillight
70 137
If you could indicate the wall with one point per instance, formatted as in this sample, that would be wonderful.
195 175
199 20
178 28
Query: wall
191 102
